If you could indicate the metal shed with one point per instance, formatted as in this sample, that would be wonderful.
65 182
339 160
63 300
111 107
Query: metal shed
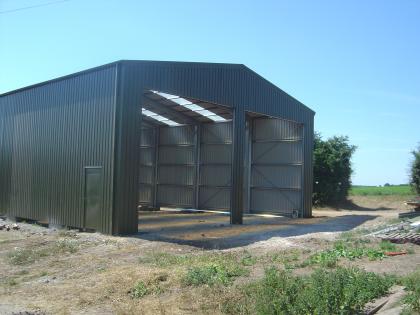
85 150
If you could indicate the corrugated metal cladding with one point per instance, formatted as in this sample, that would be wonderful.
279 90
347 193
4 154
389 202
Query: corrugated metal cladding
54 131
50 133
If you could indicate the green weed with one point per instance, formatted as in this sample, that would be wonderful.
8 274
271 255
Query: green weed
350 251
342 291
22 256
387 246
248 260
139 290
412 298
212 273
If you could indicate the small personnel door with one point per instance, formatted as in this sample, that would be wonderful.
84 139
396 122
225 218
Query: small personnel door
93 197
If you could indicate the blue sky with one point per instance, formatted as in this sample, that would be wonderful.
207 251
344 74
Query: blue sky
356 63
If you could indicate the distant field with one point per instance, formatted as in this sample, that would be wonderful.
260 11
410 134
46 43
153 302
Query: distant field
401 190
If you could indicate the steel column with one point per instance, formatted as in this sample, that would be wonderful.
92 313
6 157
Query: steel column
238 157
197 161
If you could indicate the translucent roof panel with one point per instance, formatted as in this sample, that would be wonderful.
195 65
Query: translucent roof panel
191 106
159 118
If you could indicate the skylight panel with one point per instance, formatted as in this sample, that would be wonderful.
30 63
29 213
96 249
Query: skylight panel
181 101
216 118
191 106
158 117
166 95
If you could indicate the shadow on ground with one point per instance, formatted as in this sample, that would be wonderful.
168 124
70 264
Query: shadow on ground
350 205
213 231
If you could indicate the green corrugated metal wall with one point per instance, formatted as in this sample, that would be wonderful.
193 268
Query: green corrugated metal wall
51 132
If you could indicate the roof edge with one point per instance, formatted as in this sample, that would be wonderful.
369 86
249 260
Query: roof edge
121 61
64 77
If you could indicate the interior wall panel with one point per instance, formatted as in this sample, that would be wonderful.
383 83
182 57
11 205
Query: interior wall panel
215 168
276 167
147 170
176 166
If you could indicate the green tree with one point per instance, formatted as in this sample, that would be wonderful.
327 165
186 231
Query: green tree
332 169
415 171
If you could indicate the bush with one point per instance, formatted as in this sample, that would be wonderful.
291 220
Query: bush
332 169
343 291
415 171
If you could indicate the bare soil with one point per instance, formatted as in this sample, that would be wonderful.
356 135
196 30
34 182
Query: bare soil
47 271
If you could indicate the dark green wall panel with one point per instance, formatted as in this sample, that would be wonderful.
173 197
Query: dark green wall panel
50 133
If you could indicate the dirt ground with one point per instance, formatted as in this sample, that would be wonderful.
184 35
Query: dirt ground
47 271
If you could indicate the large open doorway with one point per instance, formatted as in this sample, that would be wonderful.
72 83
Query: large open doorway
185 153
186 165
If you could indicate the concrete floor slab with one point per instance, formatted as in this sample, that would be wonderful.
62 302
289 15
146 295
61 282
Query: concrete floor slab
213 231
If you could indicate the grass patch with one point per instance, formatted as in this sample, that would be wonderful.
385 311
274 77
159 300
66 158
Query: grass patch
342 291
203 269
165 259
349 250
22 256
26 256
399 190
65 246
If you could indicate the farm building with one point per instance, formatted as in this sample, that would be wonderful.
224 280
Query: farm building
86 150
